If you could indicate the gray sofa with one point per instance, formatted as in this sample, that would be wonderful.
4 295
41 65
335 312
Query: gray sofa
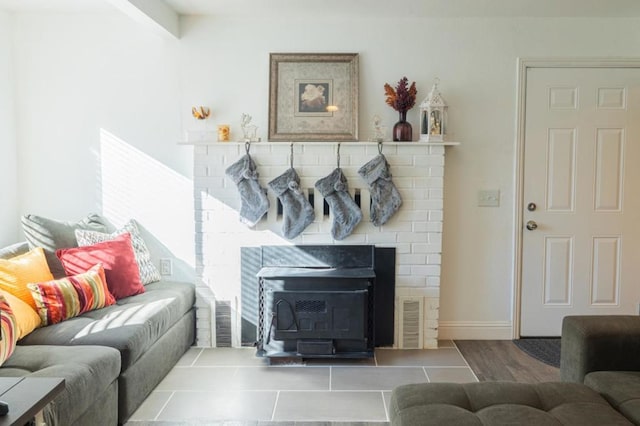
600 372
110 358
604 354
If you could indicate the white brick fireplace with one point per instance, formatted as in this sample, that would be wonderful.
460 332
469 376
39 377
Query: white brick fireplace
415 230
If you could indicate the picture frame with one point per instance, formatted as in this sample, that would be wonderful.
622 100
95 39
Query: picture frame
313 97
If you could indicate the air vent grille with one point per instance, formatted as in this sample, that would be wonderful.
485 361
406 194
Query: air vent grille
411 333
311 306
223 324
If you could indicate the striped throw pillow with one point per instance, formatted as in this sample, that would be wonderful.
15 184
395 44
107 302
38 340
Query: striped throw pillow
9 330
68 297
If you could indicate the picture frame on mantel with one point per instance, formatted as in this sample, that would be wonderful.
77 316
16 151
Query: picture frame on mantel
313 97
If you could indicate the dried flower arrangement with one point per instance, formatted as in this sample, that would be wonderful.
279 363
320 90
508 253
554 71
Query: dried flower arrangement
200 113
403 98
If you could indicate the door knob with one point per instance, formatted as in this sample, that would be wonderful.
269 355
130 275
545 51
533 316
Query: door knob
532 225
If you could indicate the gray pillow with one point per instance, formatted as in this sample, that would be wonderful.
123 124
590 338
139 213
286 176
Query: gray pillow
14 250
52 235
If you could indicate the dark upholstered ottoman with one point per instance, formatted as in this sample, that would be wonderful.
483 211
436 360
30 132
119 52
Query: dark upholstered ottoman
501 403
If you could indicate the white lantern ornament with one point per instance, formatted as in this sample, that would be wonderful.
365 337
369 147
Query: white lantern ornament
433 116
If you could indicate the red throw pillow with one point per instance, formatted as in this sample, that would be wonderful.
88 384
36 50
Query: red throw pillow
117 258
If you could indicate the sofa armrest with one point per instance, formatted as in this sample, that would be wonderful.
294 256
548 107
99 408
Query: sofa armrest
599 343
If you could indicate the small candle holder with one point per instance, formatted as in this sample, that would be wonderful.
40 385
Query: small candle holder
223 132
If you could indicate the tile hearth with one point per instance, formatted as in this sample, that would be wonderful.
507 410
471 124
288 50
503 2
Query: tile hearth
232 385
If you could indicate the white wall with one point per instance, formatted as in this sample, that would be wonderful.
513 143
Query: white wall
98 118
80 73
475 59
8 156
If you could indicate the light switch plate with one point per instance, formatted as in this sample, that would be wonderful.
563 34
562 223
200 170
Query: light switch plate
489 198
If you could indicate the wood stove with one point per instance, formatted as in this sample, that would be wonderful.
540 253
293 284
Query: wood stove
321 301
313 312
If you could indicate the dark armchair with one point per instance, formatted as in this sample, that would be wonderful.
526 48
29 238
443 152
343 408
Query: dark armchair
599 343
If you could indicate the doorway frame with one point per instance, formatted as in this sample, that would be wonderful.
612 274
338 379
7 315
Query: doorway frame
524 64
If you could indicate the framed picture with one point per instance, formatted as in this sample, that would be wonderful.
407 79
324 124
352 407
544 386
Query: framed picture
313 97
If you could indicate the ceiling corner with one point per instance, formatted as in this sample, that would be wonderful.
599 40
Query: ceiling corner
158 15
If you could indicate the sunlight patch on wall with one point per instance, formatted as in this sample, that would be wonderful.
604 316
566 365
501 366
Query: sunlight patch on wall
221 235
135 185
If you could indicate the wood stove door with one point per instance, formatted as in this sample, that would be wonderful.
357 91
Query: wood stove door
316 317
317 314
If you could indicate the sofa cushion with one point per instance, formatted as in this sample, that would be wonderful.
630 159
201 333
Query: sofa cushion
53 234
620 388
88 371
500 403
131 325
59 300
117 258
17 272
148 271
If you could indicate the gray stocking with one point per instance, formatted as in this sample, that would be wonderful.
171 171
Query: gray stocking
254 197
385 198
346 213
298 212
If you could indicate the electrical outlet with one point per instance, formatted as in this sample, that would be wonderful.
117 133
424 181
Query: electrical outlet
166 267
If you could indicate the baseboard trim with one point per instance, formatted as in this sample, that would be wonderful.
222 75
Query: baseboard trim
475 330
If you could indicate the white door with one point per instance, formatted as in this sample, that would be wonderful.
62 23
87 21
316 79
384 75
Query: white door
582 178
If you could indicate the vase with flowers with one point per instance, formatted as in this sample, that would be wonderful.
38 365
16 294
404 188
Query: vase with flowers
402 99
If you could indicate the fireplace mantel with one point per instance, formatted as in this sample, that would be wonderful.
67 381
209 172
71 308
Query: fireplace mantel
210 142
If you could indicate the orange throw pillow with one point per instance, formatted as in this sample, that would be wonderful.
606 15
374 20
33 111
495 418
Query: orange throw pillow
17 272
27 319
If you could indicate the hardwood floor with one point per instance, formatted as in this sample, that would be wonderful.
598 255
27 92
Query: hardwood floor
502 360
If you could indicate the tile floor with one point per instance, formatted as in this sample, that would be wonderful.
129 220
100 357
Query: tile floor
212 385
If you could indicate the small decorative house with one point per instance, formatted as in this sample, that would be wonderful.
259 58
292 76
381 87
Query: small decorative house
433 116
